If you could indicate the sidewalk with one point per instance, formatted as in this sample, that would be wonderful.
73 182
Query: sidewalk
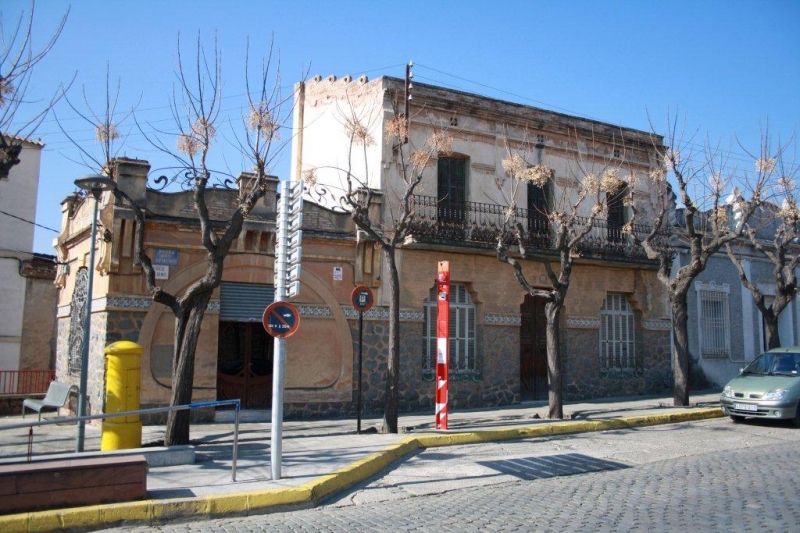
319 457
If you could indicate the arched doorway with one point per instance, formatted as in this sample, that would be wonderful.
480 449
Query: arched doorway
533 349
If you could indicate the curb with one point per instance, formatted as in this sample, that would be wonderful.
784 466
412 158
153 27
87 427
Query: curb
307 495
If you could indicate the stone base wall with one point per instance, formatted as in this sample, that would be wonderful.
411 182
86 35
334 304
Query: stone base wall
585 379
13 406
497 383
107 327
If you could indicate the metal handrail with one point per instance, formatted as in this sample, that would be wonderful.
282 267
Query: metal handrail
196 405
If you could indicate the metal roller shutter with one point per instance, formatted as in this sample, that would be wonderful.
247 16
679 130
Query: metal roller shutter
244 302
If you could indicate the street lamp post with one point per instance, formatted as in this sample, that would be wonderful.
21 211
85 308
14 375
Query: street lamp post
94 184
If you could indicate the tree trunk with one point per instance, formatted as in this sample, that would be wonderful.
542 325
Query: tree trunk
393 362
773 339
680 351
177 431
555 399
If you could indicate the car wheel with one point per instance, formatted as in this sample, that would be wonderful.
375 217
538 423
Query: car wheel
737 418
796 419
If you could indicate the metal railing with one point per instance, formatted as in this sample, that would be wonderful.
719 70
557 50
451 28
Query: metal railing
195 405
25 382
481 224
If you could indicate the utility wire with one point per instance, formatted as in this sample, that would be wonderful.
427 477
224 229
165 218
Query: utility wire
29 221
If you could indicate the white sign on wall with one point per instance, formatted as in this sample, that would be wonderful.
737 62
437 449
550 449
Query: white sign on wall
337 274
162 271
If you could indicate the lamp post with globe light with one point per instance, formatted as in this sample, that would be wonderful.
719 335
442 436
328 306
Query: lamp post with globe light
96 185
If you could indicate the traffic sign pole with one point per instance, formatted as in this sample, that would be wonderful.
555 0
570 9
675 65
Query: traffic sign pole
362 300
289 235
360 359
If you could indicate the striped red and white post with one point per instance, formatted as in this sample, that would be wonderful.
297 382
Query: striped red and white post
442 341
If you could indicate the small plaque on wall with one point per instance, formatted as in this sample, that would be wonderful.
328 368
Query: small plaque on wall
162 271
338 273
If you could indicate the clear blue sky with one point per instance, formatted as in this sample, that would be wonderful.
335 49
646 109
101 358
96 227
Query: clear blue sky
728 65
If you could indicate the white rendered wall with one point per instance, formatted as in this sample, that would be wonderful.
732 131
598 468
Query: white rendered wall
18 198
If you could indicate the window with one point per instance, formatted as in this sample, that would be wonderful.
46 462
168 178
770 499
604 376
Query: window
616 214
463 361
617 347
452 189
713 319
77 312
538 209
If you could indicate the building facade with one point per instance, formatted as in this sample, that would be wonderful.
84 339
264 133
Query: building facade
726 328
615 326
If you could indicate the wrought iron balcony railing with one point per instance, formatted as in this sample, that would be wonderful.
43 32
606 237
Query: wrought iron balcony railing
479 224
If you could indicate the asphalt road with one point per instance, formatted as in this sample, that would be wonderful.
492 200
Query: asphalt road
710 475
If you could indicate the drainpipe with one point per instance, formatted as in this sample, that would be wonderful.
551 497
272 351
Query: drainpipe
299 127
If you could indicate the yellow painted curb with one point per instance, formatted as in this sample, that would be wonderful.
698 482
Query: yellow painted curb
361 469
150 511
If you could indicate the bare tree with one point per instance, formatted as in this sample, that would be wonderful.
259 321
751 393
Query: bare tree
390 232
570 217
19 116
703 181
196 110
781 223
106 123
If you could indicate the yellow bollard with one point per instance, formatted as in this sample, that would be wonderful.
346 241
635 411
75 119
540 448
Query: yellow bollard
123 372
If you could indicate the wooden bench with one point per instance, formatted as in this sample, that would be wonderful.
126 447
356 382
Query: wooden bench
57 395
72 482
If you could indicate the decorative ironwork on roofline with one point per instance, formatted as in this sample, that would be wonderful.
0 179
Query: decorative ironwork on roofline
186 179
328 197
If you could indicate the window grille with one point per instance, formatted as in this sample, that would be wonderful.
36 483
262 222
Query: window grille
462 345
617 342
712 303
77 315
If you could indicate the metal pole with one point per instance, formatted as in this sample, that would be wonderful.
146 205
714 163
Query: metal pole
235 441
442 342
87 324
279 351
276 440
360 357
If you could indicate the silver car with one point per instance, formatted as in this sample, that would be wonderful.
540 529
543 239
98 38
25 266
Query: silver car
769 387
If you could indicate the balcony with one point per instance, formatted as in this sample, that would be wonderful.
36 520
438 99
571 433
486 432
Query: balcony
479 225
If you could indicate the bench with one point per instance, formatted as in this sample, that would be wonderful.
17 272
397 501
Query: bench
72 482
57 395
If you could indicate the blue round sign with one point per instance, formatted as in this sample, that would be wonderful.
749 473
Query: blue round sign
281 319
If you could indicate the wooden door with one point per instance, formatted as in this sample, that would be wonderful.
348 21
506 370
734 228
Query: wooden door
533 349
244 364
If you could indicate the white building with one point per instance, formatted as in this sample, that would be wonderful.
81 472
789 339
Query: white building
26 287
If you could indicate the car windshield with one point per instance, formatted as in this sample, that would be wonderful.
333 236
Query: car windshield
775 363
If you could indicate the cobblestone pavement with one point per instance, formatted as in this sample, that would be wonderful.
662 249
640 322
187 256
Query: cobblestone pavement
750 487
